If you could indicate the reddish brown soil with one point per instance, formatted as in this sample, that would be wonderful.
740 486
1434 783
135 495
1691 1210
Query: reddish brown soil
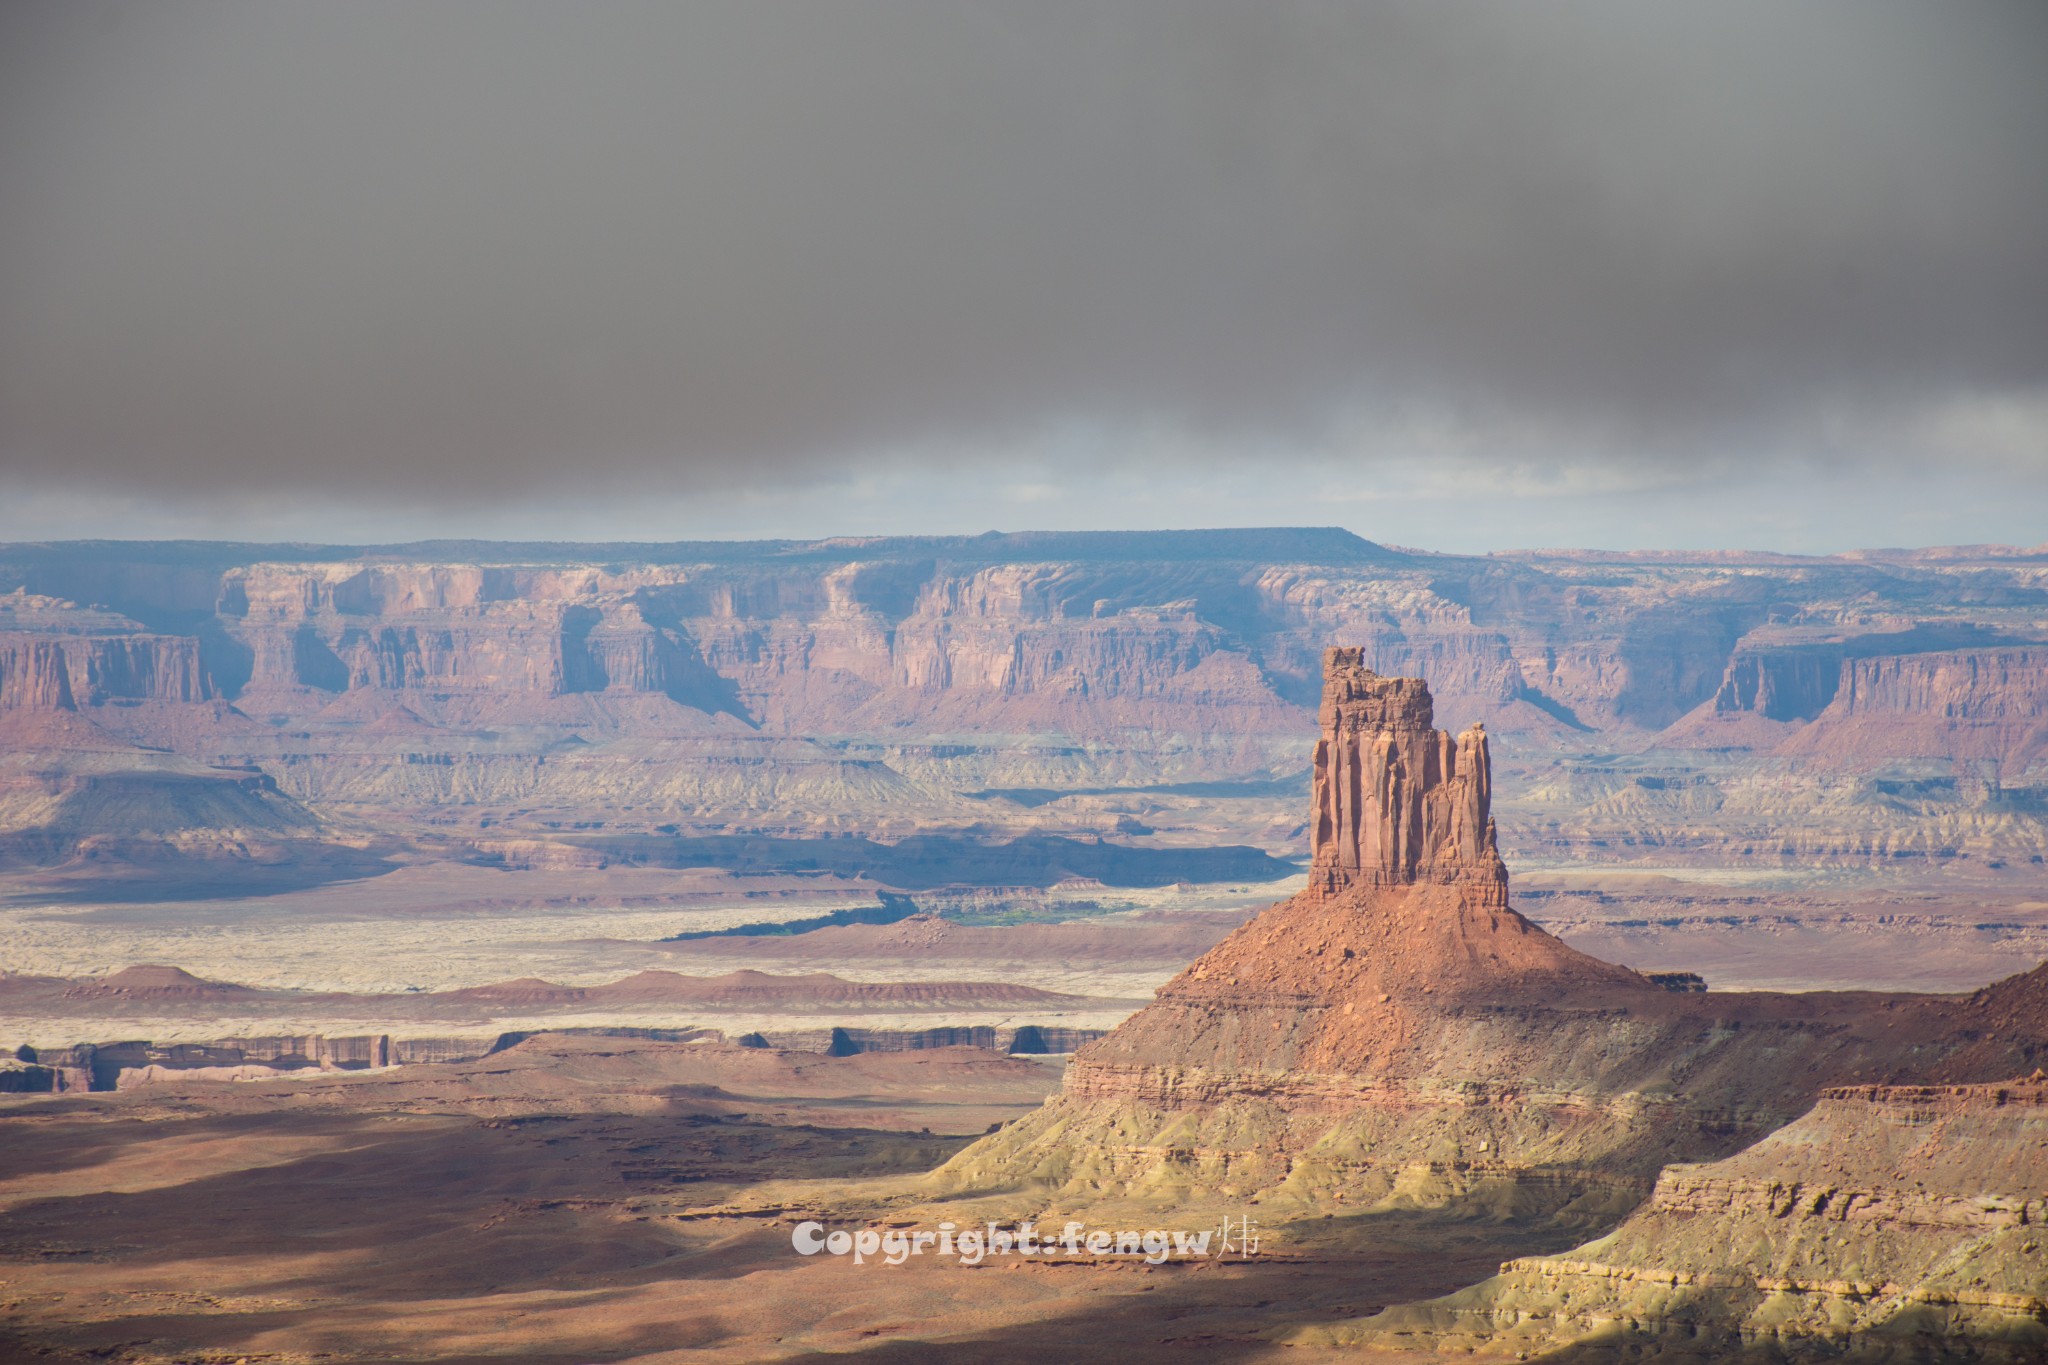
561 1203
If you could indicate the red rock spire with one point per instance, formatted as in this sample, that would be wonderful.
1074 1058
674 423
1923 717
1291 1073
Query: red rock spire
1395 800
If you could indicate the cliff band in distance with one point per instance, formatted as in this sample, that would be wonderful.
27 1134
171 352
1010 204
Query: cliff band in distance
1878 710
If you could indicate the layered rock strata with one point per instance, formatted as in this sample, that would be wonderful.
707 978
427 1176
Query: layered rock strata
1988 706
904 684
1900 1223
65 672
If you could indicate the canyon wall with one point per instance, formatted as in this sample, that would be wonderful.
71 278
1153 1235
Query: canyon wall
1971 707
69 671
894 685
845 635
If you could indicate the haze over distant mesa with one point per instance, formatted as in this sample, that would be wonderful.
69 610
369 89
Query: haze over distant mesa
764 269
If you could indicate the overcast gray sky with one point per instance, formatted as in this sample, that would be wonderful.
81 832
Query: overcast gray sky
1457 275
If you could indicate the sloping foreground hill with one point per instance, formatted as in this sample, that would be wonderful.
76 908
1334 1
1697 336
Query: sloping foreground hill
1898 1223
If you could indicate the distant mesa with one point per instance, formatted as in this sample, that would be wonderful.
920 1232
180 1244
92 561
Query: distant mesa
153 981
184 720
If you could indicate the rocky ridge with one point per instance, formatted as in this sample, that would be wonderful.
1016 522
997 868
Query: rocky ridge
1900 1223
131 1063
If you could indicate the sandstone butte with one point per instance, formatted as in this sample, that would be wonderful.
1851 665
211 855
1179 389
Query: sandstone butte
1397 1036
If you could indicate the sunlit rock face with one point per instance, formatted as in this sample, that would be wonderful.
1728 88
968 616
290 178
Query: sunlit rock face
1396 801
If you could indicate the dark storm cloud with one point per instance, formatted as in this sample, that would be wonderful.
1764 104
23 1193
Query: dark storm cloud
495 249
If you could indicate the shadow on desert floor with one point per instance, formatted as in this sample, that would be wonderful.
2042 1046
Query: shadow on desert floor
583 1236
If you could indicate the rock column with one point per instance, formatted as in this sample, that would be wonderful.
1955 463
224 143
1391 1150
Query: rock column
1396 801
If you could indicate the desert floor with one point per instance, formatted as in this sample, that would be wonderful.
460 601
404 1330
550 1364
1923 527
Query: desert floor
578 1199
586 1198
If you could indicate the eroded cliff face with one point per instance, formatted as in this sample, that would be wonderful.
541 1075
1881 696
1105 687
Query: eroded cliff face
1955 694
444 632
1398 1034
843 649
34 675
1395 801
65 672
814 636
1781 684
1979 706
896 684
